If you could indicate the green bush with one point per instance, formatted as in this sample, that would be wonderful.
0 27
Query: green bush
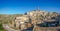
1 27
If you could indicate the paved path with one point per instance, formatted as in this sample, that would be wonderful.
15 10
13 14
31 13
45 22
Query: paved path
6 27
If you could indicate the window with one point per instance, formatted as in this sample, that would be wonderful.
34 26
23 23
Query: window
52 17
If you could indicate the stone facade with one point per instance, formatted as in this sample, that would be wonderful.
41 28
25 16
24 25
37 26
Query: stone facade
20 22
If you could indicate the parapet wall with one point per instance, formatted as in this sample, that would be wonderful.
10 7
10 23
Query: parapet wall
46 28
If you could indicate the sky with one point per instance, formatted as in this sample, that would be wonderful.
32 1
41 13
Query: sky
22 6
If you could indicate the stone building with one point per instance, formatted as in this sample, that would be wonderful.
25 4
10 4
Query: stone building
38 16
20 21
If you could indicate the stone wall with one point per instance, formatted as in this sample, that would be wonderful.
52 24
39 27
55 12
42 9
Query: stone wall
46 28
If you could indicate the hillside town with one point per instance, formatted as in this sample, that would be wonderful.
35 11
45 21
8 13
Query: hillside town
36 20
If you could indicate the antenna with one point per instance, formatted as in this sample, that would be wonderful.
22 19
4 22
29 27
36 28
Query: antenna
37 7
